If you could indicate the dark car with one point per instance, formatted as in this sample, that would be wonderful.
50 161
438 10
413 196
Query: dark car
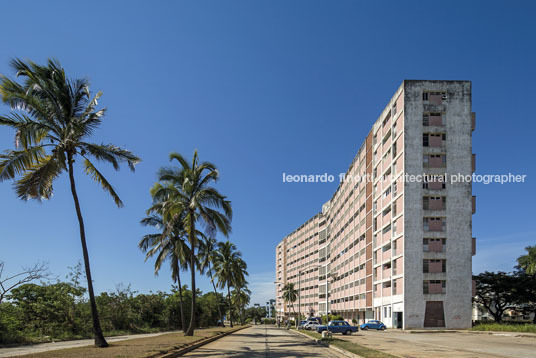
338 327
373 324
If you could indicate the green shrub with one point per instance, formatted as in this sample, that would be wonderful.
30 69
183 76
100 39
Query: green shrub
508 327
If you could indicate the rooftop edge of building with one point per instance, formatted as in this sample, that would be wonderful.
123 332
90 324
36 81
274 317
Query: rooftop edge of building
378 119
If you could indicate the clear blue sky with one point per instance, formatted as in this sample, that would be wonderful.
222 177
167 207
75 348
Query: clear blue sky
261 88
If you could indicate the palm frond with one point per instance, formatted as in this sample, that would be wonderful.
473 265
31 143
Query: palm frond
99 178
111 153
17 162
148 241
153 220
38 179
178 157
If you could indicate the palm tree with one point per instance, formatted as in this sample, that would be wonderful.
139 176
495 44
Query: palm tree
527 263
290 294
189 198
168 245
53 116
206 253
229 269
241 298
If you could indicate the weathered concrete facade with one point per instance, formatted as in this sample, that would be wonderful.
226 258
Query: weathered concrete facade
390 246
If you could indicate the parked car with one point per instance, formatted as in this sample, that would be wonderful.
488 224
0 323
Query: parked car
300 325
317 319
311 325
338 327
373 324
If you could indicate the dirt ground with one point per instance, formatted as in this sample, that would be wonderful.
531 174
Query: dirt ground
132 347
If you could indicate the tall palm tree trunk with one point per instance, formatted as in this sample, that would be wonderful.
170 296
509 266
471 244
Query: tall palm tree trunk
97 331
216 292
191 327
183 322
230 306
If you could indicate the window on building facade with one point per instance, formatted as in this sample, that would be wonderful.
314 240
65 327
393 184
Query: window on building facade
387 192
434 287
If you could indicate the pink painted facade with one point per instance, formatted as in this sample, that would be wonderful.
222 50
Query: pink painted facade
356 257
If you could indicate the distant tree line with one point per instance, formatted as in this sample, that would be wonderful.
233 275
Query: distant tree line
53 311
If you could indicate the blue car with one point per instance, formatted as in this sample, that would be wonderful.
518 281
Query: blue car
373 324
338 327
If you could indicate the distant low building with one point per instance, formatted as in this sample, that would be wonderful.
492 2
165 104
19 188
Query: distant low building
270 308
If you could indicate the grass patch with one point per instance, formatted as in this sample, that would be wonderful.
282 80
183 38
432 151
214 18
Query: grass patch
506 327
349 346
27 338
136 348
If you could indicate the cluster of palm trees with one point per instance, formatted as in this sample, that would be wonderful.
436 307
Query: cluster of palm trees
188 213
53 116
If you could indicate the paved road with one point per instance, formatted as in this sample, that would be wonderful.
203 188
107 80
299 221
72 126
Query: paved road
452 344
45 347
263 342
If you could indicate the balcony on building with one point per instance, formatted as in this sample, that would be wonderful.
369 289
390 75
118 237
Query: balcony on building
432 182
386 270
386 252
386 124
434 160
433 119
473 246
473 202
434 266
435 98
435 287
434 224
473 121
386 288
437 266
434 244
434 140
434 202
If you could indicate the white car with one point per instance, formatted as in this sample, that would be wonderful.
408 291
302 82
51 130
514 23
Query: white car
311 325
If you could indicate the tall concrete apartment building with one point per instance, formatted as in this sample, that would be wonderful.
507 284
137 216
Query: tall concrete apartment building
396 248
